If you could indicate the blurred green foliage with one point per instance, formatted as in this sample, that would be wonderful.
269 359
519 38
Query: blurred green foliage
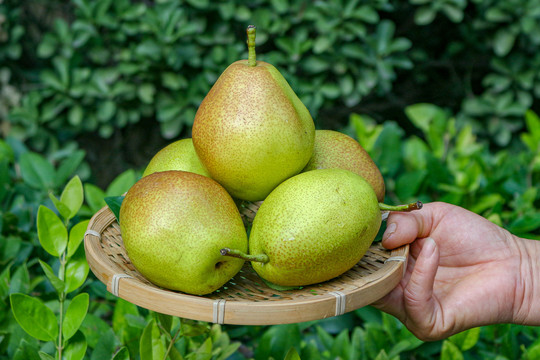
442 93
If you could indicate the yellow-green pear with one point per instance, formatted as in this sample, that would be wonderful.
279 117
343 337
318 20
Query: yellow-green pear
174 224
333 149
251 131
314 227
179 155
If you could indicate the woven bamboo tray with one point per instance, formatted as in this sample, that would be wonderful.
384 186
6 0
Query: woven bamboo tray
244 300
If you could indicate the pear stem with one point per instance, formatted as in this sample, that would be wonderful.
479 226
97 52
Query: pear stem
262 258
252 57
408 207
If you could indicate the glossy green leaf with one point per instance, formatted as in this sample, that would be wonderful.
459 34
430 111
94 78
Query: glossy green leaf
76 271
424 15
75 314
503 41
76 236
55 281
114 203
450 351
151 346
121 354
36 171
45 356
104 347
26 351
76 347
62 208
292 354
121 183
20 280
94 197
34 317
73 196
52 233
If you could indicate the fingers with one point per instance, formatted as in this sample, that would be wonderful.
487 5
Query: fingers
404 227
412 301
418 301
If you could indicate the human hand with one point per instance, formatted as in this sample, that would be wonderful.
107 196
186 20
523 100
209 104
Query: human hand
463 271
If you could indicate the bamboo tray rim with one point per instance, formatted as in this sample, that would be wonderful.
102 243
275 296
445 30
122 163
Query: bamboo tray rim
337 296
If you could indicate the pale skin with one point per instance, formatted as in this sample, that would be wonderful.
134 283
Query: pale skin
463 271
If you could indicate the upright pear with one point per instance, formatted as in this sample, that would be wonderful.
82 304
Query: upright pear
174 224
251 131
333 149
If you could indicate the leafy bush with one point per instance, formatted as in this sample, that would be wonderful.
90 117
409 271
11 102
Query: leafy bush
471 137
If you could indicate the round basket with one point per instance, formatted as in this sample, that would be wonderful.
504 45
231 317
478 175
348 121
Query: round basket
245 299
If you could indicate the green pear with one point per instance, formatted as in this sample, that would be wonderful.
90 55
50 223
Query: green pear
333 149
251 131
313 227
174 223
179 155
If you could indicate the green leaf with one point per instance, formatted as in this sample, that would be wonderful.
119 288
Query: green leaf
104 348
292 354
20 280
409 183
76 235
146 93
36 171
52 233
55 281
151 346
450 351
75 115
26 351
34 317
94 197
114 203
503 42
45 356
121 183
76 348
68 166
121 354
61 207
466 340
73 196
75 314
76 270
424 15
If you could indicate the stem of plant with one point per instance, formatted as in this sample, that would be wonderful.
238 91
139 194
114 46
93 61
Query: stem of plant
407 207
61 298
173 340
252 57
262 258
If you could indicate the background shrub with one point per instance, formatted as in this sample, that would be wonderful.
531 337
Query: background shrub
443 94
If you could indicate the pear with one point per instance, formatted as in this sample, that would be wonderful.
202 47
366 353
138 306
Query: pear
313 227
174 223
251 131
179 155
333 149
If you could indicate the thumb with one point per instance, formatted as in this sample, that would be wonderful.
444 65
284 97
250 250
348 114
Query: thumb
420 306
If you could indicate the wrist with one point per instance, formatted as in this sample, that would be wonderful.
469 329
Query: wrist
527 297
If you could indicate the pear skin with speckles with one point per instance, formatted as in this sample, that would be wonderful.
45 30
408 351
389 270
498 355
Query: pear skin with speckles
179 155
251 131
314 226
333 149
174 223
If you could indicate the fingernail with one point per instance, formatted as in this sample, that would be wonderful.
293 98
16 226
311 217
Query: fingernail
429 246
390 230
